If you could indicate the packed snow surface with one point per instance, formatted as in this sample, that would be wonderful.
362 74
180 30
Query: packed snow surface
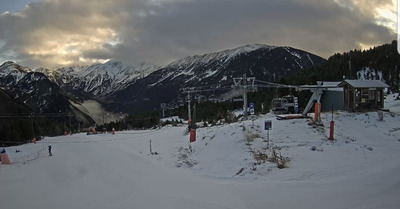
359 169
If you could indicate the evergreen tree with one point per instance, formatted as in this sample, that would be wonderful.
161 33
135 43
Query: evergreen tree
347 65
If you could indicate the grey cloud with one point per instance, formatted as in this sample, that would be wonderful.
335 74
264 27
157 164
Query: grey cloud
162 31
195 27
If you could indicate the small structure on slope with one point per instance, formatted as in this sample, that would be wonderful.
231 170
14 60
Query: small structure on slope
360 95
328 94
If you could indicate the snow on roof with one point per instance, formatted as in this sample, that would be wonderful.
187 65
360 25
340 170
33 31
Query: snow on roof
330 83
324 84
365 83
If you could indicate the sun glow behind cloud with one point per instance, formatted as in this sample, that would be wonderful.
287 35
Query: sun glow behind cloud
384 12
66 49
381 12
387 16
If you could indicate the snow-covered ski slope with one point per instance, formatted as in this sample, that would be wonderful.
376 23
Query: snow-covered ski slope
360 169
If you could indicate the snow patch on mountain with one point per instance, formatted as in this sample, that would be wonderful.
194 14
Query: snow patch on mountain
221 57
186 65
293 53
14 70
224 78
100 79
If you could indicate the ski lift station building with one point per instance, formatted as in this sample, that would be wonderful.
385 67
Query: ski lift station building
328 93
351 95
362 95
333 97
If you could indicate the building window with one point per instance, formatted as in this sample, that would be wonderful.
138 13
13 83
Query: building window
364 95
358 95
371 94
378 96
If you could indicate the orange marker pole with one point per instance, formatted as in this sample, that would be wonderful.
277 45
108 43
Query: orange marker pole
331 130
317 108
193 135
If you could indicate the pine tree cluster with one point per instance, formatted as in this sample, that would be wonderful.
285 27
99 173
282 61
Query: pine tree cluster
347 65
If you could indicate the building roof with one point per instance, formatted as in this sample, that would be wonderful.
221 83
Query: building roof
365 83
330 84
322 84
326 85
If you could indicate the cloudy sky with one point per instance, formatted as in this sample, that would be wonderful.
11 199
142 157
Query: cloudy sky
51 33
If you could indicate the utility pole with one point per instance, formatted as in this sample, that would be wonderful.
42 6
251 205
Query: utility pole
194 116
70 131
33 130
245 83
397 76
188 90
350 74
245 96
189 113
163 106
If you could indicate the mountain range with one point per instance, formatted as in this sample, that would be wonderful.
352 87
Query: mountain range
211 71
97 80
132 89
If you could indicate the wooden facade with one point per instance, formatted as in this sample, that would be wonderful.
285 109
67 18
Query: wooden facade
360 95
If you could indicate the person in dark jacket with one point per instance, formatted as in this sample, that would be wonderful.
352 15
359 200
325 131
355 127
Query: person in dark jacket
49 147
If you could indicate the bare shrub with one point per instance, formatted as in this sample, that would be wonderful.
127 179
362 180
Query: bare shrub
251 136
280 161
260 156
230 117
275 157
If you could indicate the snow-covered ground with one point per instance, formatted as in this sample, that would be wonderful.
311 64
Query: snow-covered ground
359 169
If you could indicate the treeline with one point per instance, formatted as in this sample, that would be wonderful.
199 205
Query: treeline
208 112
347 65
211 112
143 120
14 131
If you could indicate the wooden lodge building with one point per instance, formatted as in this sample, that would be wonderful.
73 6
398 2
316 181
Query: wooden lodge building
362 95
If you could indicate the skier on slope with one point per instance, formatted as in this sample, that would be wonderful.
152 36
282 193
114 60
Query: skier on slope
49 148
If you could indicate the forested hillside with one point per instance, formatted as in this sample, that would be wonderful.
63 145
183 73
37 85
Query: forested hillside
381 62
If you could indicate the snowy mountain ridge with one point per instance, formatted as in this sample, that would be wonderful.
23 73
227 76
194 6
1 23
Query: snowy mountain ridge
31 89
187 65
211 64
98 79
14 71
223 56
266 63
124 86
